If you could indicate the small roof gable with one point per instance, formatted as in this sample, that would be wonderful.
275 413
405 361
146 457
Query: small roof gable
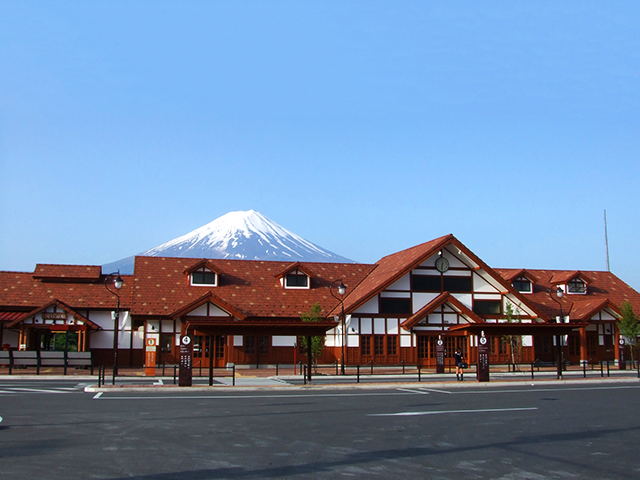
64 307
559 278
295 266
437 302
203 263
67 273
512 274
206 298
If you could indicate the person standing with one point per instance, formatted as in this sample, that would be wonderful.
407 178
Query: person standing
459 361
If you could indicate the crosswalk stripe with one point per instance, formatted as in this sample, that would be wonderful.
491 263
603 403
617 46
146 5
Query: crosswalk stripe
36 390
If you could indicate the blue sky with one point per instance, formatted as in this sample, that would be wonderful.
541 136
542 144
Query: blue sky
365 127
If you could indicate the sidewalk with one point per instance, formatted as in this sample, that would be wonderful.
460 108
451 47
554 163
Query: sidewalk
134 379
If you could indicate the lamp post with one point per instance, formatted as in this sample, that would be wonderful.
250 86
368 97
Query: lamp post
117 282
341 290
559 294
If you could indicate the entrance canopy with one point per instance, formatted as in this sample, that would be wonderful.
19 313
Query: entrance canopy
500 329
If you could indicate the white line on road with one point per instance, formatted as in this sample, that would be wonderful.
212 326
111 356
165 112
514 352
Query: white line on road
437 391
37 390
421 392
440 412
97 395
159 382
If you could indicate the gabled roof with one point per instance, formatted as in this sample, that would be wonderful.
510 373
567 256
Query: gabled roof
206 263
66 308
393 267
209 297
561 277
515 274
295 266
443 298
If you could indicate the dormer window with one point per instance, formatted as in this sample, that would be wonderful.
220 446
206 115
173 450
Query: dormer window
204 277
522 285
296 279
577 285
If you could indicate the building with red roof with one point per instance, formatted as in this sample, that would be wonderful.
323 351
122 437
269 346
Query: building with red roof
248 312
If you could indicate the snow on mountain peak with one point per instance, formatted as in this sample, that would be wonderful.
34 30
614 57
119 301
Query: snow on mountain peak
241 235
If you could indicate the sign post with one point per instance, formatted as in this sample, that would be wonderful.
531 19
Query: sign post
150 358
622 365
439 355
186 353
483 359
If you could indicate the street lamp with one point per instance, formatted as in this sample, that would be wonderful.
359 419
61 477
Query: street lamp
559 294
117 282
341 290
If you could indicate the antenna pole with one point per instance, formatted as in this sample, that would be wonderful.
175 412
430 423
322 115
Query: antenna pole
606 240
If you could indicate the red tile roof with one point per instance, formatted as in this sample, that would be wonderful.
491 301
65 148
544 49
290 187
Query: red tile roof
604 288
20 291
161 287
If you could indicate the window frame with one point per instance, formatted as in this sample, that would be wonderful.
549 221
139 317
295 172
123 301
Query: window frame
203 271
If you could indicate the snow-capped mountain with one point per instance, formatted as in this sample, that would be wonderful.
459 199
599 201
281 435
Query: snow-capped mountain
237 235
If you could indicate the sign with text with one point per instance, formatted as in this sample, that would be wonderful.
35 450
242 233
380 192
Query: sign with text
186 354
439 356
483 359
150 357
622 365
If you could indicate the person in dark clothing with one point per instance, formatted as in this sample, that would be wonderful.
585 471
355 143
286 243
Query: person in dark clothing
459 361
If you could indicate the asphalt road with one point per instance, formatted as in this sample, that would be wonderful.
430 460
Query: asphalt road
53 430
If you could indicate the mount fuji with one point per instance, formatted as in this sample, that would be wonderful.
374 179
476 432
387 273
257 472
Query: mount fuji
236 235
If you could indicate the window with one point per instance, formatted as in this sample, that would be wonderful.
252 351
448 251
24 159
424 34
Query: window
446 283
395 305
503 346
457 284
426 283
296 279
392 344
592 345
487 307
166 342
365 345
522 284
250 345
220 341
264 345
378 344
203 277
574 345
577 286
423 346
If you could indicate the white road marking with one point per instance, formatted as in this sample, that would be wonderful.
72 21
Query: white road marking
440 412
7 391
97 395
37 390
235 397
159 382
421 392
437 391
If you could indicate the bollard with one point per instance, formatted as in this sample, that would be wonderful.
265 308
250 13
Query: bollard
305 374
601 369
234 374
113 379
336 367
531 370
584 369
174 374
419 374
607 368
403 367
358 374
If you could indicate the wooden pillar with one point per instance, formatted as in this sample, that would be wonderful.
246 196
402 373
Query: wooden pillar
309 359
583 345
616 343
